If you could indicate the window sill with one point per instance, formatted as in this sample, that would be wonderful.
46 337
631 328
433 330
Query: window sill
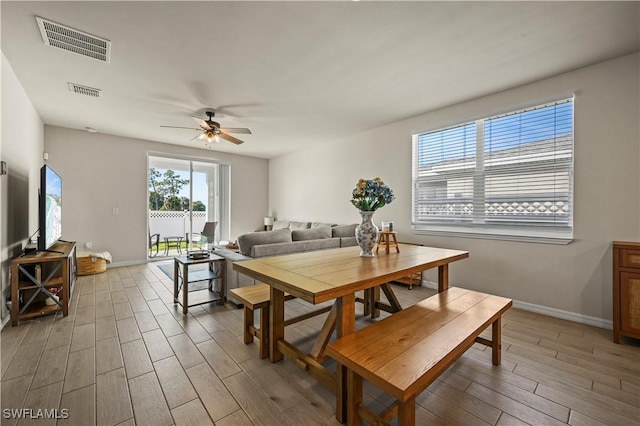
528 236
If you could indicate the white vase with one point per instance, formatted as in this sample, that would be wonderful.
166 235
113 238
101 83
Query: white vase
367 234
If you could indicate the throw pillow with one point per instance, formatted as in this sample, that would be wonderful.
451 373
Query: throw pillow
299 225
280 224
319 224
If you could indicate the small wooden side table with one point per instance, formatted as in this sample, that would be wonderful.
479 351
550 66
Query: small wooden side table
182 278
387 240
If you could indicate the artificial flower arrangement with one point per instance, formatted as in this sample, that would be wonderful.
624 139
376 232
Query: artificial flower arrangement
370 195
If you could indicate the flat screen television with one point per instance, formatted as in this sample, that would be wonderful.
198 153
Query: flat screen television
50 208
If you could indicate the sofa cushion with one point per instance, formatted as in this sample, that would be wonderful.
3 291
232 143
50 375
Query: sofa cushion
293 247
321 224
291 225
247 241
348 241
299 225
344 231
311 234
280 224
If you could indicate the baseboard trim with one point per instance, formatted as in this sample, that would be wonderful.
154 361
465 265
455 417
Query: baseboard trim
127 263
552 312
566 315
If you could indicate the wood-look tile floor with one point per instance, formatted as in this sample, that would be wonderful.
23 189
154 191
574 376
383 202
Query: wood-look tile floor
126 355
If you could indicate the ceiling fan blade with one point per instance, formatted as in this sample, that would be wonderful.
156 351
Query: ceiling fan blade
230 138
180 127
201 123
236 130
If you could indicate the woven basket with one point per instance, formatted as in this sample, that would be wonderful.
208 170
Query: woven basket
90 265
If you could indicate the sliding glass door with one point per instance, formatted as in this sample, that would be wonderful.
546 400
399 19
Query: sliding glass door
187 201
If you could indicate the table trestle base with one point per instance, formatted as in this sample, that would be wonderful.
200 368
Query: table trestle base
311 365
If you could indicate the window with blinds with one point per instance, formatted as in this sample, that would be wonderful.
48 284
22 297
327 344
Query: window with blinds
508 176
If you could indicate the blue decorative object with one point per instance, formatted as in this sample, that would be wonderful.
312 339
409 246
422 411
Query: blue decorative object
370 195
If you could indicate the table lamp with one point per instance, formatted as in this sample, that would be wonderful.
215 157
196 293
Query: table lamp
268 223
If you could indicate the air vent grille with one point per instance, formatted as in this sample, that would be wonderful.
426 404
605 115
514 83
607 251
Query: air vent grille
84 90
72 40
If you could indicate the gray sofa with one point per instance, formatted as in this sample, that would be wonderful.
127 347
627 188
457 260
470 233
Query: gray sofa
286 237
296 237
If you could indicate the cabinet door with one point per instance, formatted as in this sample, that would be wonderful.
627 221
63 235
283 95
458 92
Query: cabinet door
630 258
630 301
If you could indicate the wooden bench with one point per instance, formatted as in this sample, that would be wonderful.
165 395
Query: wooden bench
258 297
404 353
255 297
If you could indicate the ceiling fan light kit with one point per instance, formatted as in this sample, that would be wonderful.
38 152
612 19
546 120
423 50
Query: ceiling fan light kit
209 136
211 132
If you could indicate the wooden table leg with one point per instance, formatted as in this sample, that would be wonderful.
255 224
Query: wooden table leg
346 324
375 298
407 412
496 341
366 301
223 281
185 289
391 297
443 277
354 397
264 330
175 281
325 333
276 324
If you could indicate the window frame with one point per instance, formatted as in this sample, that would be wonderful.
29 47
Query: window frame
471 229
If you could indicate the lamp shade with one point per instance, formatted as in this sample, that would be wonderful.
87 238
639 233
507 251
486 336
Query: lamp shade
268 221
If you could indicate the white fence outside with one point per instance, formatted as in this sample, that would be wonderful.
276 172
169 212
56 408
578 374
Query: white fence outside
174 224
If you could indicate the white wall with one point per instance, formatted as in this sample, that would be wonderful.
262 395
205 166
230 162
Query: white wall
102 172
21 149
316 184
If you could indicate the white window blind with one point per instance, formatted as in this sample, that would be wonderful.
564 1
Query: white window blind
510 175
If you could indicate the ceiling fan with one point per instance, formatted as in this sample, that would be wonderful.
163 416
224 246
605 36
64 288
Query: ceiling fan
212 132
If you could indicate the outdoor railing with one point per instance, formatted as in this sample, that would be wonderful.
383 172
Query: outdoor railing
175 223
535 209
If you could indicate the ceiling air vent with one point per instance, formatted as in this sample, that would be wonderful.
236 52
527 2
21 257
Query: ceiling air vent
72 40
84 90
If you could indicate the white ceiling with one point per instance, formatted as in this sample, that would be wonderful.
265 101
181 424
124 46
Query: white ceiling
298 73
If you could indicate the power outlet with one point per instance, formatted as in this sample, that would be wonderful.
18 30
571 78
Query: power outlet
88 245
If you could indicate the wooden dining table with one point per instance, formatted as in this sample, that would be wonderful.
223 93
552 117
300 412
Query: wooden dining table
335 274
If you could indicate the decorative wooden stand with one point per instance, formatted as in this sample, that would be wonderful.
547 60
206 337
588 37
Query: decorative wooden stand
385 241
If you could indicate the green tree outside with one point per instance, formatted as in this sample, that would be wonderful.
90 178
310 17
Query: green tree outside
164 189
198 206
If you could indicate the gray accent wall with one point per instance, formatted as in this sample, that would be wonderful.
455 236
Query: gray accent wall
571 280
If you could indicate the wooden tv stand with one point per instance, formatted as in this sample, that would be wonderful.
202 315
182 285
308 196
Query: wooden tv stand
34 275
